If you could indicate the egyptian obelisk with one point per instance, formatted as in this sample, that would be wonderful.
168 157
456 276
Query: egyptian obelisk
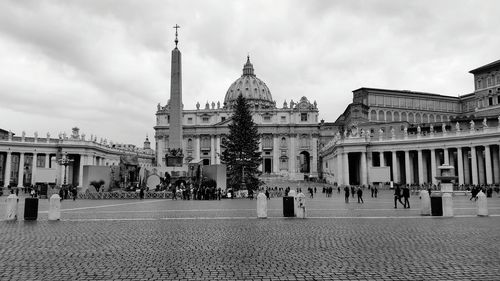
175 155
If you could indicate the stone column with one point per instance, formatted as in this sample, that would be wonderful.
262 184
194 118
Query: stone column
8 163
433 166
467 172
362 170
80 171
276 154
446 156
473 156
382 159
34 168
314 161
339 171
292 155
197 148
407 167
420 167
496 167
47 160
261 168
480 167
395 167
212 150
345 167
217 150
460 167
21 170
487 155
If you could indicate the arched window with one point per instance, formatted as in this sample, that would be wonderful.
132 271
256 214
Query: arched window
373 115
396 116
404 117
380 115
418 118
388 116
190 144
410 118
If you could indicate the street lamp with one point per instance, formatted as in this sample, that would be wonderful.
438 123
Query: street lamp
65 161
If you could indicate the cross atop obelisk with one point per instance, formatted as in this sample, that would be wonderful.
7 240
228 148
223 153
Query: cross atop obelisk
176 40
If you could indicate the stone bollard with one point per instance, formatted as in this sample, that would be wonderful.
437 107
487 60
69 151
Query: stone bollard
447 205
425 203
300 211
482 204
261 206
55 208
12 202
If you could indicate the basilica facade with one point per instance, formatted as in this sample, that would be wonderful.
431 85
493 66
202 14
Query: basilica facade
290 133
404 136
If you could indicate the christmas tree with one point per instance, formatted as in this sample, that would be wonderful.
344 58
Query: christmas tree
241 149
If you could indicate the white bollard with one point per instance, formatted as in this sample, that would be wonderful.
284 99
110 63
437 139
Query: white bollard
300 209
12 203
447 205
482 204
261 206
55 208
425 203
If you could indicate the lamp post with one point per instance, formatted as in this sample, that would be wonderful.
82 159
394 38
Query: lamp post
65 161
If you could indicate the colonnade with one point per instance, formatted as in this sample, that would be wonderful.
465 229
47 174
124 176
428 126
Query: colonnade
32 167
473 164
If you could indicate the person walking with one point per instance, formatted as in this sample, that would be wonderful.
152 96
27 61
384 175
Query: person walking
406 195
397 196
372 190
376 190
360 195
352 191
346 190
141 193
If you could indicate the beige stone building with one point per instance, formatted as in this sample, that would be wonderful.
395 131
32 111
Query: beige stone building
290 133
403 136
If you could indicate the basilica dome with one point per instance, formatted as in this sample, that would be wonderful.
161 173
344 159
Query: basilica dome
252 88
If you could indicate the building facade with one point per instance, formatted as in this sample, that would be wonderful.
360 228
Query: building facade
404 136
289 135
24 160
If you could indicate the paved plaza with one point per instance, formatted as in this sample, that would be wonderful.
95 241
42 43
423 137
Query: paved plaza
223 240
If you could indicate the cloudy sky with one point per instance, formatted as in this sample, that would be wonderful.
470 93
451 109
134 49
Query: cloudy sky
104 65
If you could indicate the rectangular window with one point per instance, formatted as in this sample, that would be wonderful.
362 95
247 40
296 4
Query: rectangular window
40 161
283 164
498 79
267 118
490 81
490 101
283 119
479 84
190 120
223 118
498 99
205 119
303 117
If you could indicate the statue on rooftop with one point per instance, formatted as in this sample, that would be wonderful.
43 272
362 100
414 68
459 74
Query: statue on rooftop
198 105
472 125
485 123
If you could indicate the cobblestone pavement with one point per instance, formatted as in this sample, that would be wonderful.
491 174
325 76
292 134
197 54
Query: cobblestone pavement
222 240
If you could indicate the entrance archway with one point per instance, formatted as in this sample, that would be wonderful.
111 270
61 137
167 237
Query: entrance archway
305 162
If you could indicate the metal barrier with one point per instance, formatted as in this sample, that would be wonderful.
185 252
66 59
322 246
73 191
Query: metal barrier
124 195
